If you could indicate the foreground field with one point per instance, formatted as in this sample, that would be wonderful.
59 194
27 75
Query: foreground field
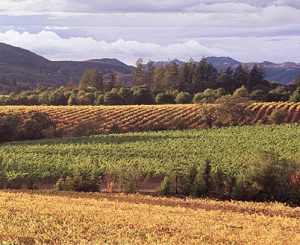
63 218
230 149
143 118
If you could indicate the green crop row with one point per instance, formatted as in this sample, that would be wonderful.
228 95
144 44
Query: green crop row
229 149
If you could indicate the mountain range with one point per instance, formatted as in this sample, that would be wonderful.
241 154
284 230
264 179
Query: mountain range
23 68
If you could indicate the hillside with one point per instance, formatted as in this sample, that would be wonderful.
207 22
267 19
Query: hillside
22 68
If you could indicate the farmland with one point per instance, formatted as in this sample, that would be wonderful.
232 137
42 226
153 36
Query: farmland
143 118
229 149
70 218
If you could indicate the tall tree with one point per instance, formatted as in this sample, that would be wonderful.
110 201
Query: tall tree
171 75
92 78
256 76
139 74
149 74
241 76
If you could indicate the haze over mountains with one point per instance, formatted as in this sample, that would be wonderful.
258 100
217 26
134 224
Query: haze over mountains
22 68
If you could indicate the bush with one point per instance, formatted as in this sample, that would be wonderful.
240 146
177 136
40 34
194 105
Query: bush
278 116
99 100
258 95
127 179
79 182
33 126
178 123
268 179
112 98
198 98
36 125
164 98
295 97
8 127
166 186
241 92
184 98
142 96
86 128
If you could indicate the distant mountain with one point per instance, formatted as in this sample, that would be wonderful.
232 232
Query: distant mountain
22 68
283 73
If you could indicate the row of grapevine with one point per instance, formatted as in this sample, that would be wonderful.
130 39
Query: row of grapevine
139 118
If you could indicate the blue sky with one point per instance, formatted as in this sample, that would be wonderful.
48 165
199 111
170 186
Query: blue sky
247 30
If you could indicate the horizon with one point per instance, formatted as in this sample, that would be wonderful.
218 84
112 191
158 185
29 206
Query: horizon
247 31
157 61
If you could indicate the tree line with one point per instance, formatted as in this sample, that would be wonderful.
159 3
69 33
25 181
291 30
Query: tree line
190 82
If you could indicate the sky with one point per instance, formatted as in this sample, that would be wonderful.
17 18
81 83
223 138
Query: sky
246 30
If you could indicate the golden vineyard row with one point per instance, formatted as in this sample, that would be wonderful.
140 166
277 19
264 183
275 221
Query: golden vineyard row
141 117
72 218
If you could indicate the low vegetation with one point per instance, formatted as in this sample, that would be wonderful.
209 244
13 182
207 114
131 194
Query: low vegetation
88 120
225 163
120 219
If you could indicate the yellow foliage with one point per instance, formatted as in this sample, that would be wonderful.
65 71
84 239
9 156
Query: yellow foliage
74 218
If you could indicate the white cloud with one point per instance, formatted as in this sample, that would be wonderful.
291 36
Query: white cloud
52 46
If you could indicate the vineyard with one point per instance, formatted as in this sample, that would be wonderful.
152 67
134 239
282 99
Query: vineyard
143 118
69 218
229 149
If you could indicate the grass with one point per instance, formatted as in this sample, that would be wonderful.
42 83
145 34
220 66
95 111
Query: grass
72 218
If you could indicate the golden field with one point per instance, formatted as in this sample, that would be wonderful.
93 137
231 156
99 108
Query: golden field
75 218
142 117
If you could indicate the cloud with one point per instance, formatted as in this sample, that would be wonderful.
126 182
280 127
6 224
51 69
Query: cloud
52 46
137 6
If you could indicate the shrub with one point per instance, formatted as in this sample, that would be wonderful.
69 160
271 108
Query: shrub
112 98
267 179
184 98
258 95
86 128
165 98
77 182
99 100
166 186
36 125
142 96
127 179
241 92
178 123
295 97
8 127
278 116
198 98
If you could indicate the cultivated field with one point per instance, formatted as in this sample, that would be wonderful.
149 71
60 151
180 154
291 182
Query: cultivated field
229 149
70 218
142 118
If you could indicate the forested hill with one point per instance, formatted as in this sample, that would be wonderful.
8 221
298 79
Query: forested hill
282 73
20 68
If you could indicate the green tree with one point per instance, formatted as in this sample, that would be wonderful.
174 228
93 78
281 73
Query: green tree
184 98
92 78
256 76
142 96
241 76
139 78
112 98
72 100
241 92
